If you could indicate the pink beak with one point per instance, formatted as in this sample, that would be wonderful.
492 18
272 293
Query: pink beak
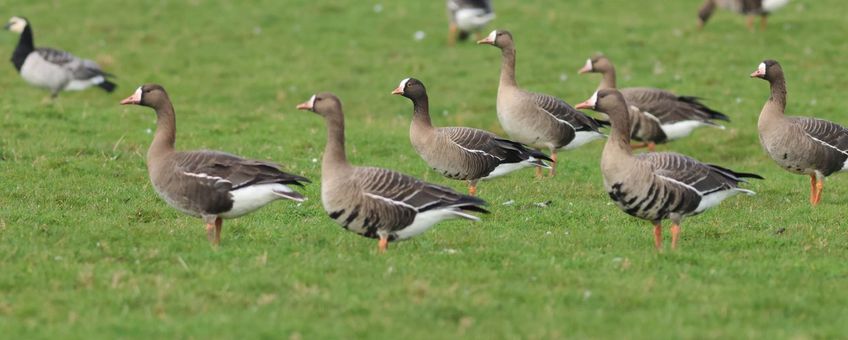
397 90
757 74
584 105
585 69
304 106
134 99
486 41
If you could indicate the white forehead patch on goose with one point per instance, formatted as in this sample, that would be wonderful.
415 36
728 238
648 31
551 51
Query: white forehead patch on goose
594 99
762 68
588 65
403 83
137 94
312 102
492 36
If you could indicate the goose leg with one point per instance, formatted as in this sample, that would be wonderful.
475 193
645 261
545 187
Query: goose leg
658 235
750 22
218 223
452 31
472 188
813 189
652 146
552 171
211 221
675 233
819 189
383 244
763 20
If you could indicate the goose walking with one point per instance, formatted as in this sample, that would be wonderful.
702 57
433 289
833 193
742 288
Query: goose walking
52 69
211 185
657 115
802 145
657 186
466 17
537 119
460 152
374 202
749 8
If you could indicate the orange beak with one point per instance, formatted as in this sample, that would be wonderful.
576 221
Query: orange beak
585 105
134 99
757 74
304 106
397 90
485 41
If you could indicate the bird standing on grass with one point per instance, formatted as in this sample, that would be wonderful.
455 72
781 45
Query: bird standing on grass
467 16
374 202
657 115
534 118
460 152
749 8
212 185
658 185
803 145
53 69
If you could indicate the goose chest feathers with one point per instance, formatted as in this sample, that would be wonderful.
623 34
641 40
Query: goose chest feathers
53 69
657 186
374 202
211 185
460 152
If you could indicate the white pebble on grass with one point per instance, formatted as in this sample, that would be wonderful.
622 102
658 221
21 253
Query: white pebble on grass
419 35
378 8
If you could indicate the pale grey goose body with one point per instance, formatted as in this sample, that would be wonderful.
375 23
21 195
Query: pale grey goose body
466 17
657 186
374 202
534 118
211 185
749 8
657 115
460 152
53 69
803 145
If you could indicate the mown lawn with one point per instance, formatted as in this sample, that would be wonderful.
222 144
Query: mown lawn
87 250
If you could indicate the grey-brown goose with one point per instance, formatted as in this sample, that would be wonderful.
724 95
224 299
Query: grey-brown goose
803 145
374 202
467 16
460 152
657 186
537 119
657 115
749 8
53 69
211 185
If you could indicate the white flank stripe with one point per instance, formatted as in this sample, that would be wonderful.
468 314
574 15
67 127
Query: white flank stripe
391 201
475 151
555 117
826 144
681 183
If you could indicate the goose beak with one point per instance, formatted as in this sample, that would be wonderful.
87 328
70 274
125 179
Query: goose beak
135 98
398 90
585 105
586 67
758 74
304 106
485 41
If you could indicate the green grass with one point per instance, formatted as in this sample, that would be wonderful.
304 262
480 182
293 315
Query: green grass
87 250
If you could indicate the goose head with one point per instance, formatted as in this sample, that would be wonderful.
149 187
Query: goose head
608 101
411 88
150 95
498 38
596 64
16 24
769 70
324 104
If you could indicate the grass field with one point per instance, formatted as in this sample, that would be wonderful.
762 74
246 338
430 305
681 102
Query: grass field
87 249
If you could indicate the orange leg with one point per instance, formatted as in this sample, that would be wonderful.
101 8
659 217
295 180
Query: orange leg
675 233
658 235
383 244
819 189
763 20
472 189
552 172
813 189
750 23
652 146
210 233
218 223
539 172
452 32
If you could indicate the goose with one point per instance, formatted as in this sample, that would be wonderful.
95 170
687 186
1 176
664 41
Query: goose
375 202
212 185
749 8
657 186
53 69
467 16
802 145
460 152
658 116
534 118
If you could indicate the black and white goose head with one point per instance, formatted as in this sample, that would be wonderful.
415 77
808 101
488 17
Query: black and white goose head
16 24
768 70
411 88
150 95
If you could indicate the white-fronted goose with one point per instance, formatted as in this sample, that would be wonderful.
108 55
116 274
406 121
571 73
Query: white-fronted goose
659 115
802 145
749 8
374 202
211 185
657 186
467 16
53 69
534 118
460 152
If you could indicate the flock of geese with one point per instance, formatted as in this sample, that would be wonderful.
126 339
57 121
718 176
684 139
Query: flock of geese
390 206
